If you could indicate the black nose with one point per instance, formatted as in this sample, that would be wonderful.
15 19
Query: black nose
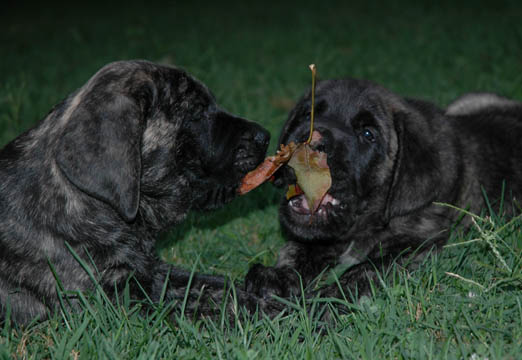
251 148
258 135
262 137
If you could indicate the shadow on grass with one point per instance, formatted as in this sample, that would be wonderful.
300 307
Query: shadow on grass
259 199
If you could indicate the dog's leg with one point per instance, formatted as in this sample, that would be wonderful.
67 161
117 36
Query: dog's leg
204 295
297 266
22 305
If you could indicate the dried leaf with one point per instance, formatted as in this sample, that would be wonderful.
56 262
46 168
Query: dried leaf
266 169
310 166
312 173
293 190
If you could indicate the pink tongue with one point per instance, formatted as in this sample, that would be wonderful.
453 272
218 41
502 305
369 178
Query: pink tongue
326 200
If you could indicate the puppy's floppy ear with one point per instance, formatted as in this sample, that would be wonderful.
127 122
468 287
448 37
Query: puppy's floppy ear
416 175
99 151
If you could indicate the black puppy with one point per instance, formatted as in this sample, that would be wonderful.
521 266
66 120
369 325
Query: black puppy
124 157
390 158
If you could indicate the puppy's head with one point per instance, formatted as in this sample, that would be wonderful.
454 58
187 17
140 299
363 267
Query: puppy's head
216 150
379 157
144 136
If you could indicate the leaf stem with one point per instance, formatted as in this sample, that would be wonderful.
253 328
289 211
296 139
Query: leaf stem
313 68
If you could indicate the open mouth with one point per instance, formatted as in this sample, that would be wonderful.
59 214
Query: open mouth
299 205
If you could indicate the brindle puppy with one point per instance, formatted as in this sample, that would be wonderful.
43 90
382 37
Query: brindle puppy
120 160
390 158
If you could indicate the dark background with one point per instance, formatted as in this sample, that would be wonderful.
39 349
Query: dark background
254 55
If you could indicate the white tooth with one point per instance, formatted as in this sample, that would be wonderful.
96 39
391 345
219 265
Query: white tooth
335 202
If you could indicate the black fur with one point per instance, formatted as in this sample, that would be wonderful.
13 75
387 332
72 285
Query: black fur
120 160
390 158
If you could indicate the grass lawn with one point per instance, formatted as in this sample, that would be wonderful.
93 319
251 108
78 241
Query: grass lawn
465 303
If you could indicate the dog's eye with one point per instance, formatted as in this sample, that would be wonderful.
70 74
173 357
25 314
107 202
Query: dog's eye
367 135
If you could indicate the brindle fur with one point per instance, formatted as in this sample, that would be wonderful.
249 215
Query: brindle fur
388 183
117 162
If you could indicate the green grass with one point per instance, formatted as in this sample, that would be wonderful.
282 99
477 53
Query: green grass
465 303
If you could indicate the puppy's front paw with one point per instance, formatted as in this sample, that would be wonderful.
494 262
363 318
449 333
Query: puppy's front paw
267 281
